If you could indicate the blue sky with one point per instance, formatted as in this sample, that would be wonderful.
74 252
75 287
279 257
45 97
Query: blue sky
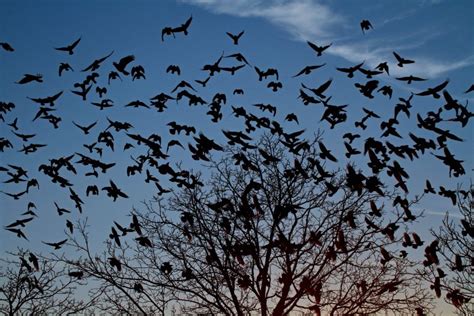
438 35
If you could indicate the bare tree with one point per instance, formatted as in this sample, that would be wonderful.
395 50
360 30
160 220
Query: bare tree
272 231
34 286
452 272
120 284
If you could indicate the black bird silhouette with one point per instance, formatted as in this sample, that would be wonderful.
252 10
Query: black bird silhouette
47 100
374 210
350 150
144 241
27 78
114 235
308 69
24 137
213 68
318 49
166 31
92 189
402 61
183 84
174 69
135 225
368 88
19 233
56 245
25 264
7 47
113 191
31 183
350 70
386 256
275 85
292 117
113 75
64 67
137 104
43 112
383 67
20 222
351 137
34 260
122 229
435 90
183 27
417 242
138 287
114 262
325 153
70 226
319 90
232 69
14 124
458 265
96 63
76 274
138 72
69 48
105 103
238 57
448 194
61 210
386 90
171 31
235 38
15 196
369 73
203 83
266 107
83 92
410 79
468 229
122 64
365 25
403 106
101 91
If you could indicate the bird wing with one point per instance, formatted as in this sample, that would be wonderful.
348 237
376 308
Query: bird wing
56 96
105 57
441 86
62 48
126 60
313 46
397 56
324 86
188 22
73 45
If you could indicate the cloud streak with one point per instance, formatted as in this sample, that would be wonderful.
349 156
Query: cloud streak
303 19
314 21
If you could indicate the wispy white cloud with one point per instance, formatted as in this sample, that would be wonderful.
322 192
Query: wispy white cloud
399 17
315 21
303 19
443 214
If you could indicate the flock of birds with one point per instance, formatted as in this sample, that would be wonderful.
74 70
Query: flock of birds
380 151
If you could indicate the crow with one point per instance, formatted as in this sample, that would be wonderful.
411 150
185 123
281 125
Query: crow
402 61
122 64
69 48
235 38
365 25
